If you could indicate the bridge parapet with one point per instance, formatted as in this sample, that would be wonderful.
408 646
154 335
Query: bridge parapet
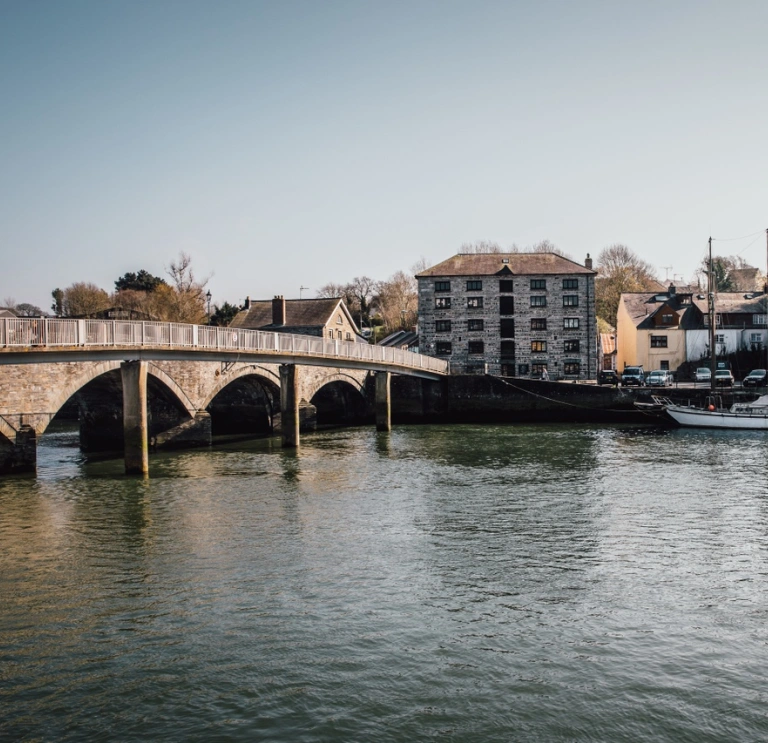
64 333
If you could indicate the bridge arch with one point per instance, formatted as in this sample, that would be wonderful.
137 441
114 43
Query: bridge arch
340 399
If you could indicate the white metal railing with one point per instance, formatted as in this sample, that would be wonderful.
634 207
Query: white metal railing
47 332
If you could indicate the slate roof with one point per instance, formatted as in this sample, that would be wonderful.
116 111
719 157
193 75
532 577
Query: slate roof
299 313
401 339
491 264
642 306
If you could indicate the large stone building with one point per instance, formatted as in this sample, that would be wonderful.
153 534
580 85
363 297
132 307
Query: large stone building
327 318
510 314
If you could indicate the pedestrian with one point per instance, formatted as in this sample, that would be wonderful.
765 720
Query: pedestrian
544 375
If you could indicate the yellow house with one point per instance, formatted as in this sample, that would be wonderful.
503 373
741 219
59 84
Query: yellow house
650 329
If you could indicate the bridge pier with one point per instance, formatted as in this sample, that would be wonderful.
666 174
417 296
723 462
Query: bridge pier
135 428
289 405
383 402
20 455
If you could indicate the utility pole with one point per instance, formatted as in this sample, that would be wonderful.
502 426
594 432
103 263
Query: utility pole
711 312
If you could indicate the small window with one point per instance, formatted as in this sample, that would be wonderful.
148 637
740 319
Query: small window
667 319
442 326
338 334
538 301
507 328
475 347
339 321
658 341
474 325
570 283
474 286
537 369
474 303
507 349
571 368
506 305
506 286
719 338
523 370
349 336
442 303
571 346
538 346
538 284
443 348
539 323
442 286
570 300
759 320
570 323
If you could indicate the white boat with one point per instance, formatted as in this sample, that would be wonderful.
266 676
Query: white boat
745 415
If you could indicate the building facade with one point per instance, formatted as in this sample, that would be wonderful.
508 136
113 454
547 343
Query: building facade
326 318
510 314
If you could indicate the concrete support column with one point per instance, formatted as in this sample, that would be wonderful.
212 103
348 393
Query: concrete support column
289 404
134 374
383 403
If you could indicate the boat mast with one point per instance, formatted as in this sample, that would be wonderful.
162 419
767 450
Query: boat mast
711 311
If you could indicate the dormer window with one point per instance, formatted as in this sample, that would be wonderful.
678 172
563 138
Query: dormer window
667 319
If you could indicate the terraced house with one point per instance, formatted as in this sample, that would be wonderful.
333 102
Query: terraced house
510 314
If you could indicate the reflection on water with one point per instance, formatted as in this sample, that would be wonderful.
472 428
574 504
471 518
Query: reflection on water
495 583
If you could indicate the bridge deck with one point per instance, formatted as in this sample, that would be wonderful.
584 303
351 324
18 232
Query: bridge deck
35 340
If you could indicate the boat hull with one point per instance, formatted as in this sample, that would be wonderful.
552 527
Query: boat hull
693 418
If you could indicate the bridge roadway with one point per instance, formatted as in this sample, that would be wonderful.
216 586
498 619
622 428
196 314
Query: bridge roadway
45 361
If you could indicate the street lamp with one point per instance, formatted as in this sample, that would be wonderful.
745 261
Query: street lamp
208 298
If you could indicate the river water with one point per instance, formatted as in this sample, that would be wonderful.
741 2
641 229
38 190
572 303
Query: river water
452 583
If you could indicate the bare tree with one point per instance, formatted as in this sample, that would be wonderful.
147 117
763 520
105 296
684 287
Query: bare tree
187 301
397 301
620 270
545 246
83 299
28 310
9 303
481 246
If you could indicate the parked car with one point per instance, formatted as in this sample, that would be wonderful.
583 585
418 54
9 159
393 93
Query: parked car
633 376
659 378
608 376
703 375
756 378
723 378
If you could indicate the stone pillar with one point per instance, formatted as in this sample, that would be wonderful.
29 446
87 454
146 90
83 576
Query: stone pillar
20 455
134 374
383 402
289 404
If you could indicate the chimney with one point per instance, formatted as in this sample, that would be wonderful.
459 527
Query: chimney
588 262
278 310
247 303
672 290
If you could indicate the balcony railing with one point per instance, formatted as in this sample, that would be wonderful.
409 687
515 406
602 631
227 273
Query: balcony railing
25 332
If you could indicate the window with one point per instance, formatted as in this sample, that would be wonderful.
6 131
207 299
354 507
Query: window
755 338
338 334
474 286
538 301
759 320
442 303
523 370
664 366
667 318
571 346
538 346
570 283
539 323
506 286
571 368
442 286
348 336
339 321
538 369
719 338
506 305
473 325
538 284
474 303
507 328
442 326
570 300
508 349
570 323
476 347
443 348
658 341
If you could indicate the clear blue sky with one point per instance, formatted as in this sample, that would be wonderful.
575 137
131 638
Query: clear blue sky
286 144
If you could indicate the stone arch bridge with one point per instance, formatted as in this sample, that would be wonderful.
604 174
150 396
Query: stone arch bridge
136 385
